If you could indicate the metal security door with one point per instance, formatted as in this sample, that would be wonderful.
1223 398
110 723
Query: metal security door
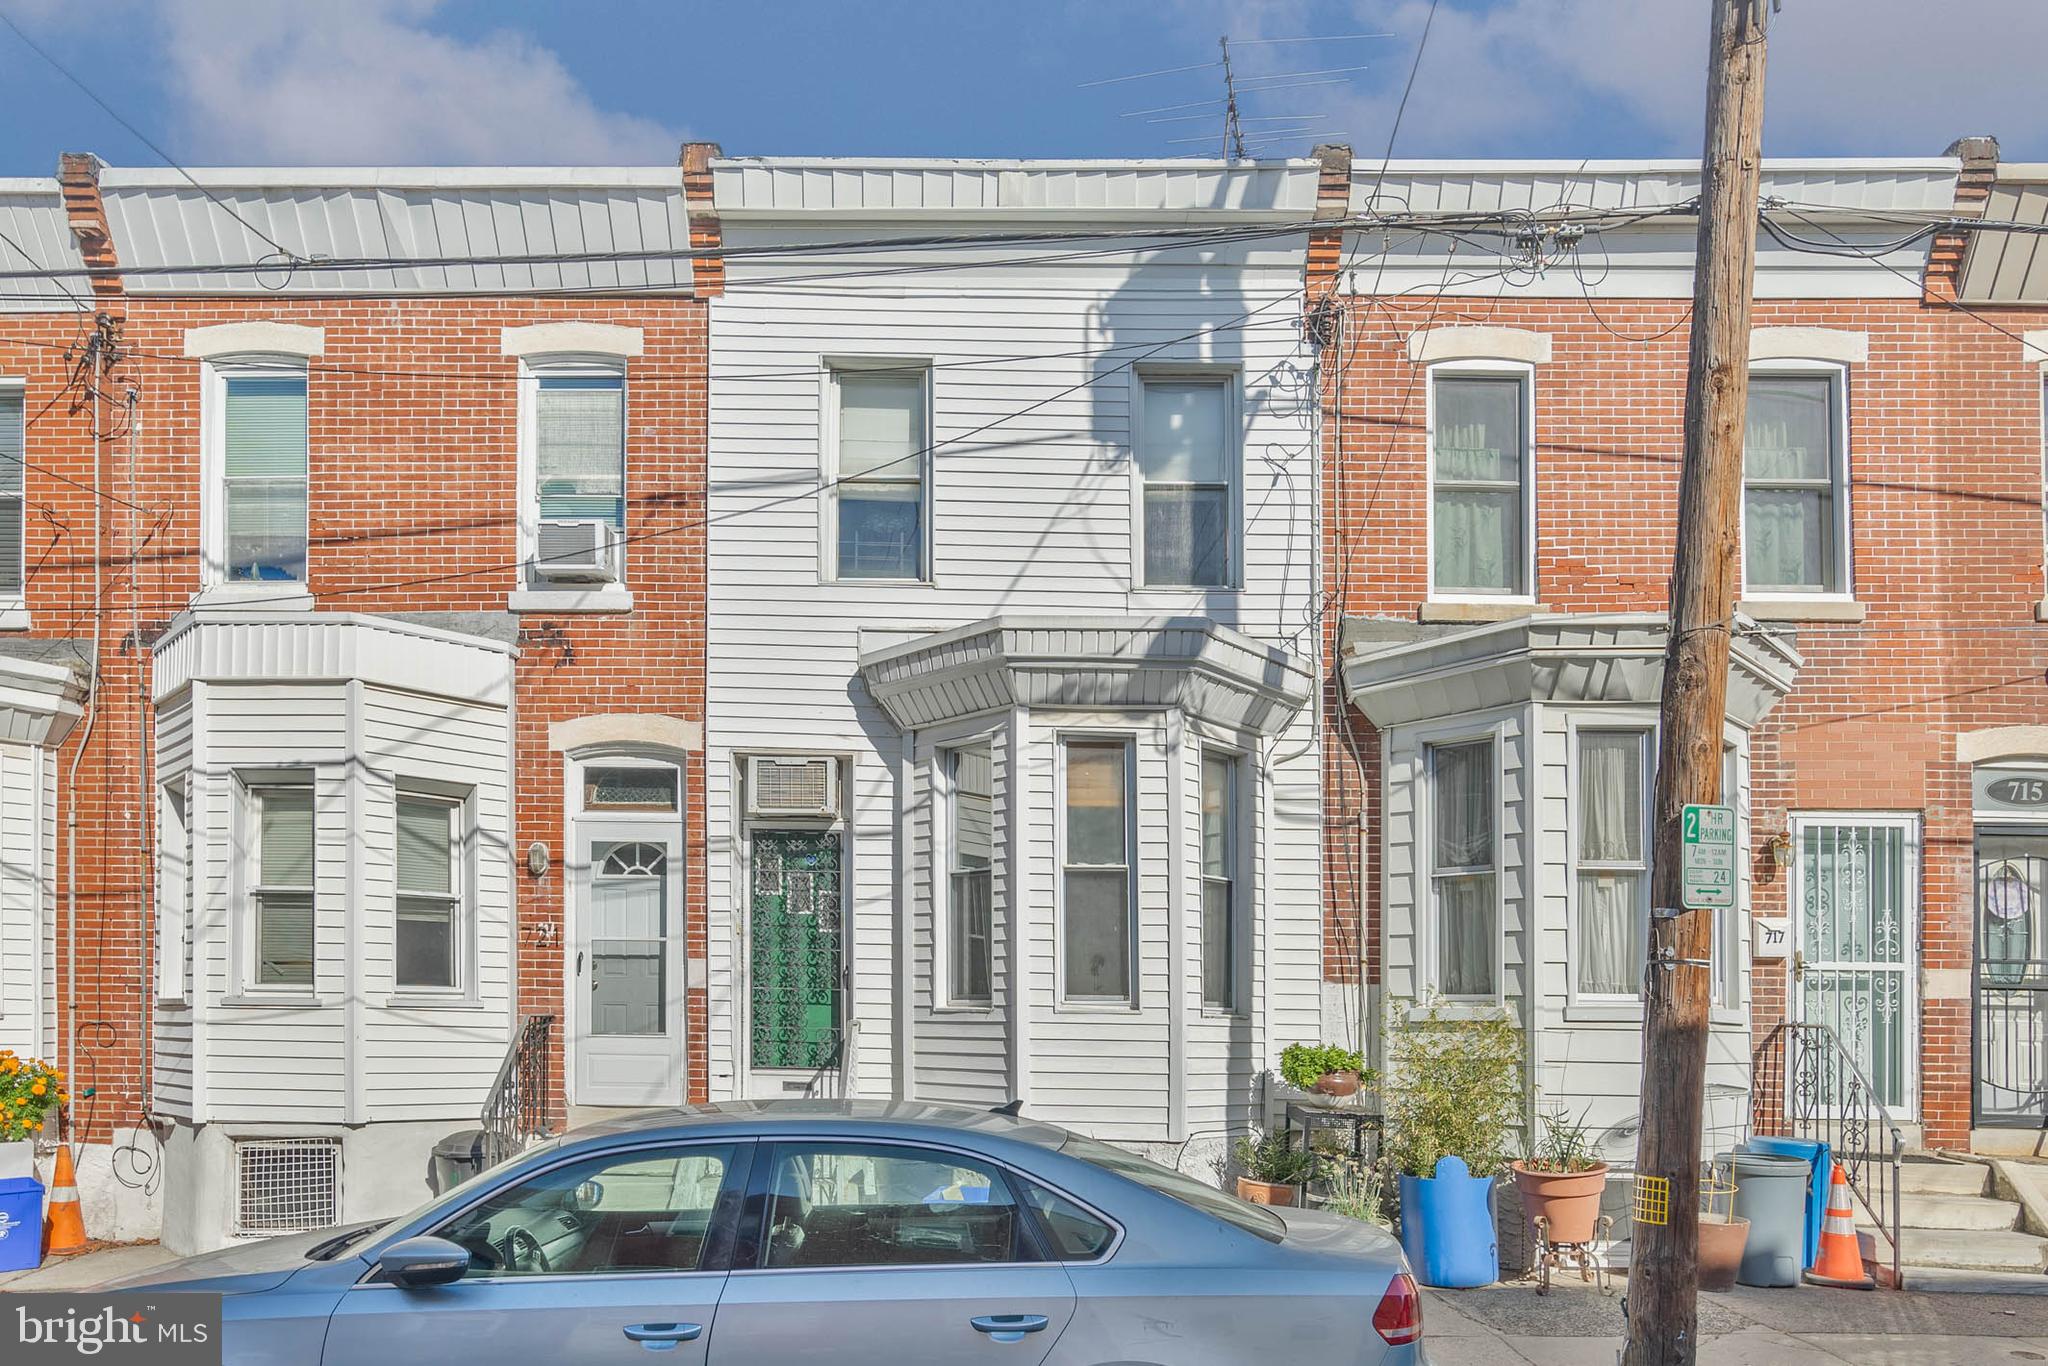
1857 880
794 950
2012 978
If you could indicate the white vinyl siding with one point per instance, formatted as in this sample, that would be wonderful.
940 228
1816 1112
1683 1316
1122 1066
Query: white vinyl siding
1095 874
878 473
1482 502
1464 881
1611 819
263 476
970 884
281 896
13 455
1795 506
429 871
1187 460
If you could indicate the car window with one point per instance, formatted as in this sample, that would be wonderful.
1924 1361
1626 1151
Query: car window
1182 1187
1077 1235
646 1210
856 1204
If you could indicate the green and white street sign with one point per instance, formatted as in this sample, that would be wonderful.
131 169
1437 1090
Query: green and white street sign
1707 862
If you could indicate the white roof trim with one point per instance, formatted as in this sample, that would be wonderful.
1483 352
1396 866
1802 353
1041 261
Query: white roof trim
574 339
2034 346
262 338
1809 343
394 177
29 184
39 701
1430 344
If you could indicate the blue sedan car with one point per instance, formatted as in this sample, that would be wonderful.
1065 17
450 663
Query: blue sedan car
856 1233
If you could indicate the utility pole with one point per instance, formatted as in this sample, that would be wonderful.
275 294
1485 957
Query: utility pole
1663 1278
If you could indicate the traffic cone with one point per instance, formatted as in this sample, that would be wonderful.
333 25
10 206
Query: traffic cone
64 1225
1841 1259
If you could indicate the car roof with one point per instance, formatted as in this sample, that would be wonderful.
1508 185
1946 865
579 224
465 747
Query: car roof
853 1116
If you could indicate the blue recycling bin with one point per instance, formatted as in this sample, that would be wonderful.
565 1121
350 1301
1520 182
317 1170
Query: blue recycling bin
1817 1157
1447 1226
21 1223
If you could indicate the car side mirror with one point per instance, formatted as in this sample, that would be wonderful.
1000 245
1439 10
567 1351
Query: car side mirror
419 1262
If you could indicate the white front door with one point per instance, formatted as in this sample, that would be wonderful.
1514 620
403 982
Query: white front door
626 999
1856 898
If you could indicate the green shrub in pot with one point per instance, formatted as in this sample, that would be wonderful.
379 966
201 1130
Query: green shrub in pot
1304 1066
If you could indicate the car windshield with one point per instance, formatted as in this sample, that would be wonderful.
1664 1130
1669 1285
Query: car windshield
447 1199
1186 1189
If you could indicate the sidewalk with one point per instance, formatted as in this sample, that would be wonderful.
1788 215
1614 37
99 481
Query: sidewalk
1511 1325
88 1269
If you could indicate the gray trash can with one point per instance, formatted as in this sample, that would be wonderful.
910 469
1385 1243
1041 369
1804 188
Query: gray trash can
457 1158
1770 1192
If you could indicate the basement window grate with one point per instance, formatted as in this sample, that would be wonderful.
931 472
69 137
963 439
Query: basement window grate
286 1185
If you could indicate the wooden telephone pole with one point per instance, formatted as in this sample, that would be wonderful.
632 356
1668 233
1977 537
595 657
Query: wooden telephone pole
1663 1280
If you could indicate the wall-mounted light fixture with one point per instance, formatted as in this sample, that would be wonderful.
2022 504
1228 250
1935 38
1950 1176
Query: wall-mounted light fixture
537 859
1781 850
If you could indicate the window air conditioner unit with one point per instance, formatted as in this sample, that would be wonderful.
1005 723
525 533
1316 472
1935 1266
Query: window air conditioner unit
807 785
575 552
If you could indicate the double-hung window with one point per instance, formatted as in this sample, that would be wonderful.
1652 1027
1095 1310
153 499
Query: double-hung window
1187 458
1464 868
1096 871
579 470
262 440
13 454
429 890
1482 509
970 884
1728 919
879 476
1613 861
282 898
1219 879
1795 509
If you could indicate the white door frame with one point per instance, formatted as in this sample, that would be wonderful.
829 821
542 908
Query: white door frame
1911 880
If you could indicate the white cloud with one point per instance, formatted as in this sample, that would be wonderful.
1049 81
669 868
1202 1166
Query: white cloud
1628 77
372 82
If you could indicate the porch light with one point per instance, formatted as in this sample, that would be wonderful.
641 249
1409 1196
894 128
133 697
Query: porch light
1781 850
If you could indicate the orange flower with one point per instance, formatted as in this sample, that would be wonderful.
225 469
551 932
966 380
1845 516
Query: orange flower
38 1088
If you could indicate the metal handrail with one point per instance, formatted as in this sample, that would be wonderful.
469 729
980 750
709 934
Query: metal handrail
516 1107
1820 1092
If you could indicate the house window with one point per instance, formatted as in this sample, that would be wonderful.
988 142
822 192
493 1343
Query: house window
1464 863
282 898
1219 880
1187 456
579 472
1613 862
13 452
429 890
971 878
882 455
173 887
1728 919
630 789
1795 522
261 535
1096 875
1482 513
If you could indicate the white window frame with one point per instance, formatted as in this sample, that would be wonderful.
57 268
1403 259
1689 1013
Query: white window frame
13 605
1237 864
1839 470
1231 381
213 455
174 887
459 897
1428 921
828 465
1725 1003
531 593
945 774
251 786
1524 374
1132 1001
1644 728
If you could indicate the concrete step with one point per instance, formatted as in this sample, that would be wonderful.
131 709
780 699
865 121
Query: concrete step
1946 1280
1972 1250
1949 1211
1943 1178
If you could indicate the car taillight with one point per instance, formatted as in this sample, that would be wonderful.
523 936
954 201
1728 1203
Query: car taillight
1399 1317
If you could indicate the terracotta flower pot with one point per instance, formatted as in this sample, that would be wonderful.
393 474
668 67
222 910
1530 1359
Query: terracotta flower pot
1266 1192
1722 1240
1338 1083
1569 1201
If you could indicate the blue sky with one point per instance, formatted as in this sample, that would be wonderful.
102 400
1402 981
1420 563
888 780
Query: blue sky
533 82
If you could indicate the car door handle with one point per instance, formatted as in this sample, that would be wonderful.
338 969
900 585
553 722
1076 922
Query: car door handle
1008 1327
662 1336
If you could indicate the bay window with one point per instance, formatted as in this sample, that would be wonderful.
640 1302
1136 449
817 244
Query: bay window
1464 868
281 899
429 869
1095 882
1219 880
970 883
1613 861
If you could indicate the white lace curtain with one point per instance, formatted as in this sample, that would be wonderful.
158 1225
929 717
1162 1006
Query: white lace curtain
1463 868
1611 864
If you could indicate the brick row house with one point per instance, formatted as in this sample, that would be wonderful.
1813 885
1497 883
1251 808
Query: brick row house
975 631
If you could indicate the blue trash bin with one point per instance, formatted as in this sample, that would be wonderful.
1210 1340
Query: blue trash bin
1821 1161
1447 1226
21 1223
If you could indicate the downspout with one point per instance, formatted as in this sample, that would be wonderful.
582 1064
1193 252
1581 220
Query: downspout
97 358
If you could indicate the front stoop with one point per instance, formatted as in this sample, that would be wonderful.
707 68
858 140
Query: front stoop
1957 1235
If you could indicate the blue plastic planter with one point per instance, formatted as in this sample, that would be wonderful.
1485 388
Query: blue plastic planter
21 1223
1447 1226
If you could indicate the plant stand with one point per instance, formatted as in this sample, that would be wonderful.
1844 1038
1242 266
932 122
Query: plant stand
1588 1258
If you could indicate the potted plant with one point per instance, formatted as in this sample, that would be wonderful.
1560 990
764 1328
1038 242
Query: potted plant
1328 1068
29 1091
1453 1105
1561 1182
1274 1170
1724 1235
1356 1190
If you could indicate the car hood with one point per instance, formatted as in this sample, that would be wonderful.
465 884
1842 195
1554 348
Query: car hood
238 1269
1320 1232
